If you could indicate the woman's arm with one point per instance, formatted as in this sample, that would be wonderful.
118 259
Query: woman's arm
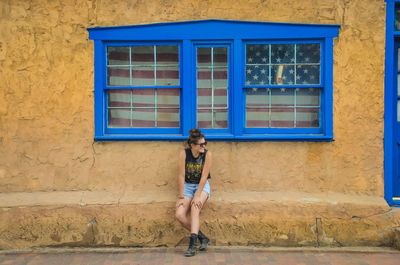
204 176
181 174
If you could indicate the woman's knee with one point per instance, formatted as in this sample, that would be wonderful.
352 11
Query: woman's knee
180 215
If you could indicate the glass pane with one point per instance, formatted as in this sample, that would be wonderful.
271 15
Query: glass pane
203 57
397 18
143 98
282 53
220 57
257 54
282 117
143 76
307 97
143 55
307 117
308 53
307 74
282 98
118 56
168 118
167 75
143 118
119 98
257 75
168 98
257 98
257 108
118 76
119 117
212 119
167 55
204 118
220 97
257 117
282 74
204 88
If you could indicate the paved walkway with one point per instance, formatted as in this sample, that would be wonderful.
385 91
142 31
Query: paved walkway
214 256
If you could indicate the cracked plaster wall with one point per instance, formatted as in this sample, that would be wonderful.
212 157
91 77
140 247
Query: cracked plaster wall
46 102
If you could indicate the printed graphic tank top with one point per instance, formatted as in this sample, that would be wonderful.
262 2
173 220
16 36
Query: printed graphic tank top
194 167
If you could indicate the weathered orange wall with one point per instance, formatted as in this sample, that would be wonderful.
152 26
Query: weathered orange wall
46 102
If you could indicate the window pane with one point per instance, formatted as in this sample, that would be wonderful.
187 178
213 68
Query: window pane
212 87
118 56
118 76
119 117
308 53
143 55
257 108
257 98
143 118
257 117
168 118
257 54
257 75
307 74
203 57
143 98
143 76
282 53
282 74
307 117
308 97
220 57
282 108
167 55
119 98
167 75
397 18
282 98
282 117
212 119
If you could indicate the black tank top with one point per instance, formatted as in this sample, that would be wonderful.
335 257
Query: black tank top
194 167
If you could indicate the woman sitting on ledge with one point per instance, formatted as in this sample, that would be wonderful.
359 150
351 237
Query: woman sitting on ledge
194 188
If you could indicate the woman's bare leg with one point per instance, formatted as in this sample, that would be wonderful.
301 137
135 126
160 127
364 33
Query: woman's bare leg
182 213
195 213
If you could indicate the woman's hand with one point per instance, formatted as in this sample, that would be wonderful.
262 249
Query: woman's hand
180 202
197 201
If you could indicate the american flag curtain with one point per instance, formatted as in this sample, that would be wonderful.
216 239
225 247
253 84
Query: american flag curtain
212 87
282 64
142 66
289 65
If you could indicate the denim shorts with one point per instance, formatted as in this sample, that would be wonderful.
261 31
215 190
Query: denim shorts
191 188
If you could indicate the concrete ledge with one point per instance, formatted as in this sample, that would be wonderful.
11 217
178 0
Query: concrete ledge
141 219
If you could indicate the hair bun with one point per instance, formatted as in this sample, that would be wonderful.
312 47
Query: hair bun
195 132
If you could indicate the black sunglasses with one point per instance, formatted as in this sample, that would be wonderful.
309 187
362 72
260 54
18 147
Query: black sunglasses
202 144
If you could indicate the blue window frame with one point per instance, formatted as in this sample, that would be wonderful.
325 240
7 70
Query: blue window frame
236 80
392 104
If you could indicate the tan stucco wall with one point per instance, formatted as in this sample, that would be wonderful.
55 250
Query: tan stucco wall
46 102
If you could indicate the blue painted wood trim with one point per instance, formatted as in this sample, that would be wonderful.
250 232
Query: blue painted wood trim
216 137
389 115
238 69
327 63
187 105
98 91
213 29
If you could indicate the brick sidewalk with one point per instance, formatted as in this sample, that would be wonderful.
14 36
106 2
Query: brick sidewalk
214 256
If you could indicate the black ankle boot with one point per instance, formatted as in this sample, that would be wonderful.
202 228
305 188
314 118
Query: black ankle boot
203 241
191 251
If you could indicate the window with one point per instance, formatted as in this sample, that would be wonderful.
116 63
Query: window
235 80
